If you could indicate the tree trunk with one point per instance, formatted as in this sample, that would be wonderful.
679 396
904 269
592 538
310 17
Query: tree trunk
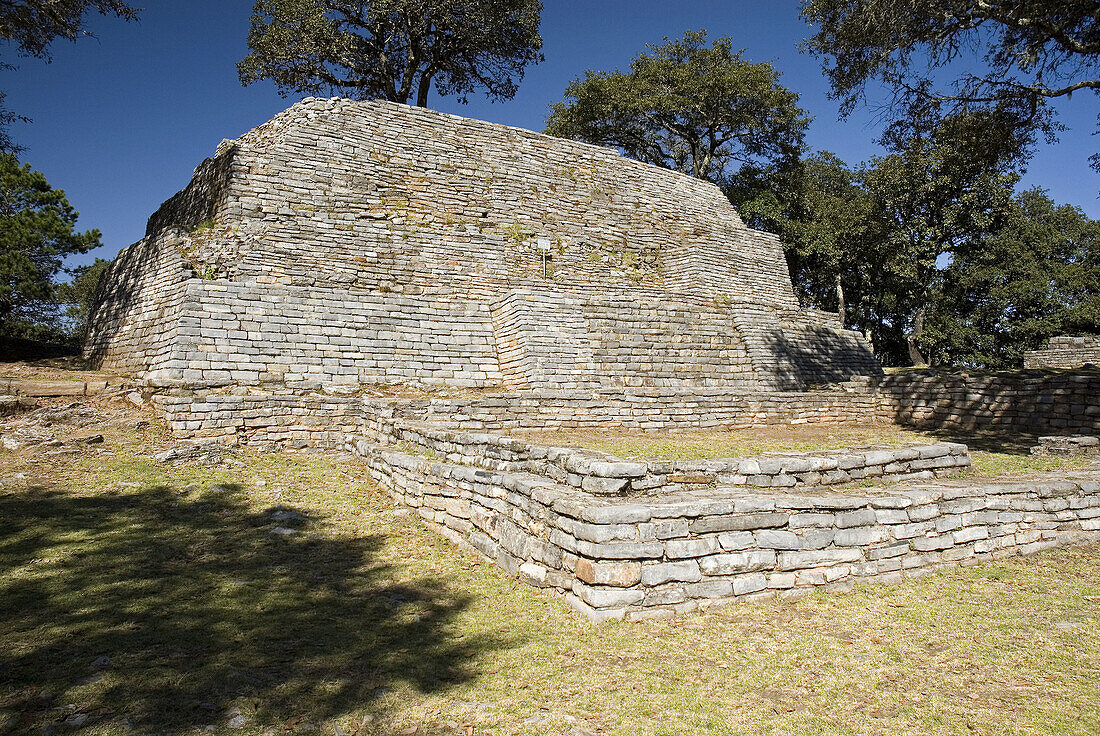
840 306
915 357
422 90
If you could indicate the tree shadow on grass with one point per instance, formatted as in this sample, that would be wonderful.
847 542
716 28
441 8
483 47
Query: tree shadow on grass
1007 442
174 612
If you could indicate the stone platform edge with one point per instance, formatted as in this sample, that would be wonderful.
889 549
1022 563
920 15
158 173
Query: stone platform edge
643 557
604 474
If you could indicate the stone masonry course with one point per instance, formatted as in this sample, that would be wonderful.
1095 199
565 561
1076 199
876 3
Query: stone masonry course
361 243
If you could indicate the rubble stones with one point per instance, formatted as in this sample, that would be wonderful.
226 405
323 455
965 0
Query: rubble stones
1067 445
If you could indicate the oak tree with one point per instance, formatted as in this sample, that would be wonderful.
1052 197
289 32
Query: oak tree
1036 276
1012 56
34 24
393 49
686 105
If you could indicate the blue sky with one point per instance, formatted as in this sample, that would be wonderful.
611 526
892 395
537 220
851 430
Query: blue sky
121 120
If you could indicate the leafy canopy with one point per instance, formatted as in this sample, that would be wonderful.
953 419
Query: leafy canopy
34 24
1012 56
393 49
686 106
871 242
36 233
1035 277
829 226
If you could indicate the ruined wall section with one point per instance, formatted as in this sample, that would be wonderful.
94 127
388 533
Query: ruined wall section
345 243
1066 352
203 200
1021 401
255 334
590 338
134 320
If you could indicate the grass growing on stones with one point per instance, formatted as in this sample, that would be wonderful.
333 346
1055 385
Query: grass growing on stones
993 454
142 598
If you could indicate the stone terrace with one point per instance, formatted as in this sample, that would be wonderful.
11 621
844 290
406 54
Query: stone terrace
630 539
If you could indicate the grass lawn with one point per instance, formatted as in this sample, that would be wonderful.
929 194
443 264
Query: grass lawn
993 454
137 599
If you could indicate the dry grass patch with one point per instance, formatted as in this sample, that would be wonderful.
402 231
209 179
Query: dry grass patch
994 454
140 598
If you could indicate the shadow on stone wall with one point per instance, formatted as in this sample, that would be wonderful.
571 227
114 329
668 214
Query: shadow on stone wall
114 297
1029 402
170 613
816 355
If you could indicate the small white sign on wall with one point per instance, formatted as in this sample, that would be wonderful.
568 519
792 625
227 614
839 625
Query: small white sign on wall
543 244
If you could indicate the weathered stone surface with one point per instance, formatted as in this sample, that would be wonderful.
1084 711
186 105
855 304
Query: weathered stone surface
681 548
735 562
740 522
687 571
607 597
617 574
817 558
775 539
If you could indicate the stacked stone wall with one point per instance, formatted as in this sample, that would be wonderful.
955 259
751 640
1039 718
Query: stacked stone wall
269 417
137 305
1026 401
418 200
283 420
413 213
202 200
248 334
570 340
1066 352
640 558
603 474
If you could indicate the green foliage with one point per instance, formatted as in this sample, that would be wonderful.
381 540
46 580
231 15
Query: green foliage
77 296
944 183
34 24
7 117
686 106
36 233
1007 57
393 49
205 226
872 242
1035 277
829 226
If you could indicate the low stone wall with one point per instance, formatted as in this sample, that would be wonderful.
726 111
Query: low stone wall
651 409
273 419
1067 446
1027 402
644 557
603 474
261 417
1066 352
1022 401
